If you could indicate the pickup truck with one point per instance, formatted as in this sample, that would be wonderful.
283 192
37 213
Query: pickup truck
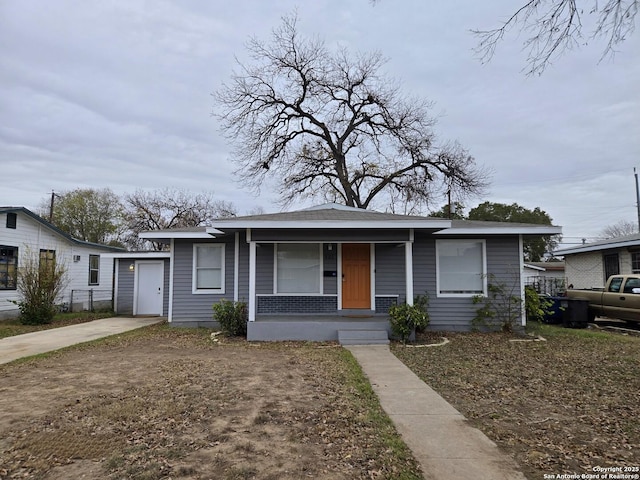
620 298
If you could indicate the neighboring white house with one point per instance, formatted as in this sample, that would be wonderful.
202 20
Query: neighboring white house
589 265
90 277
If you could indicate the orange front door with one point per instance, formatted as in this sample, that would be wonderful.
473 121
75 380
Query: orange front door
356 275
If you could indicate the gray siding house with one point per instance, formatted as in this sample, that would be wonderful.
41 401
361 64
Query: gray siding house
308 274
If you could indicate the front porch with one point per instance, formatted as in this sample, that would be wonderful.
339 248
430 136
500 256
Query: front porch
366 325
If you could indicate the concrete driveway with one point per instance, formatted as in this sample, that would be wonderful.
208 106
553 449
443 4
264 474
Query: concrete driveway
19 346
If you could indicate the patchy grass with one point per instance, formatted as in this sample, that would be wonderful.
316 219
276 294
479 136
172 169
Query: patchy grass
11 327
564 405
162 402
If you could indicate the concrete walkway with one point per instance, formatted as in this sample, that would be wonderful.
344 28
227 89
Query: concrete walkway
446 446
19 346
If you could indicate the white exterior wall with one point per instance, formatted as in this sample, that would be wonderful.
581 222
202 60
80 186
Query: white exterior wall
30 235
584 270
625 262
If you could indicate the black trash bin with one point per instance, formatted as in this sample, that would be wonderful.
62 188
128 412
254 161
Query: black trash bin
576 315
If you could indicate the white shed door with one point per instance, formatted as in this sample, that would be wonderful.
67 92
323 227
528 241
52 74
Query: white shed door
149 279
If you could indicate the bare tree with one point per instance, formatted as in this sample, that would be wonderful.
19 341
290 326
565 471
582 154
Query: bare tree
556 26
168 208
619 229
331 126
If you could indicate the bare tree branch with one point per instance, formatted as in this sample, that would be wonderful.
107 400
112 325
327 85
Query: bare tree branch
168 208
555 26
329 125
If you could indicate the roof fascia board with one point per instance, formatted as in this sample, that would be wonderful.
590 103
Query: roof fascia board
165 234
502 231
595 248
534 267
140 255
318 224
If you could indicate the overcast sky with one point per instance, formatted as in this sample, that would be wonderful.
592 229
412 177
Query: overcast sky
117 94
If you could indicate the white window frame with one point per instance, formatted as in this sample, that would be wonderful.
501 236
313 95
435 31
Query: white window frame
97 270
275 270
483 273
194 277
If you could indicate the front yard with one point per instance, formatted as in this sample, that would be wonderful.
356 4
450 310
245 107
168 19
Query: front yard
561 406
161 403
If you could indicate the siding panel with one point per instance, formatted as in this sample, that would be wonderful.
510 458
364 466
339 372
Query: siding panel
125 287
188 307
390 270
503 265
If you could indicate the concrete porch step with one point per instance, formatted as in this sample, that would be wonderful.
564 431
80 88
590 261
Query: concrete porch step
363 337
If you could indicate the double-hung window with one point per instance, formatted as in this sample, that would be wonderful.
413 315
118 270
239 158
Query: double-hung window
94 269
298 268
8 267
461 268
208 268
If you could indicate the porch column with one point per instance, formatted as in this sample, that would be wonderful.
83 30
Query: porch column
252 281
408 257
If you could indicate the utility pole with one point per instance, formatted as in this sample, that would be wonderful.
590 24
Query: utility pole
635 174
53 196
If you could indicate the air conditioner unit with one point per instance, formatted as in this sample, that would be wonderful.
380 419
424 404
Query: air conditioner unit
76 258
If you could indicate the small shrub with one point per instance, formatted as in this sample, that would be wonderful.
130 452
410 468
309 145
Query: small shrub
406 319
536 306
40 285
232 316
500 309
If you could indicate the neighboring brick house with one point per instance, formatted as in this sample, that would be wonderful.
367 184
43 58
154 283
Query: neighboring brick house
589 265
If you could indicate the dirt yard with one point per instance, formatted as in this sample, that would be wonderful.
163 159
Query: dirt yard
172 404
562 406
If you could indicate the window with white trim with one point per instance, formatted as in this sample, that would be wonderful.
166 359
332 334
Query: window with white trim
461 268
94 269
298 268
208 268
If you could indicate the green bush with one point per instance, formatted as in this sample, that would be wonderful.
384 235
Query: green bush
232 316
536 306
406 319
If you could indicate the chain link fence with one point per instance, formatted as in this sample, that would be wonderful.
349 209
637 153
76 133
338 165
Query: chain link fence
90 300
554 287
